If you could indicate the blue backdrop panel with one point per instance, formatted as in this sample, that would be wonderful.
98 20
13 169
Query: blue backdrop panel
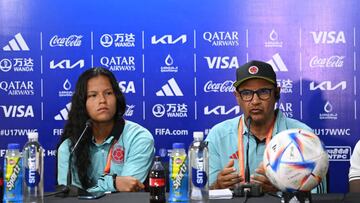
175 62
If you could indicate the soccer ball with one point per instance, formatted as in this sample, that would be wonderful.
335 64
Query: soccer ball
295 160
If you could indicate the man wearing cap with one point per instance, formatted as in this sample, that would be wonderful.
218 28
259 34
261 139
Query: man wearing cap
256 92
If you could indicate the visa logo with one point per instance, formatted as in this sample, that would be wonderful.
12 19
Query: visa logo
20 111
331 37
219 62
127 87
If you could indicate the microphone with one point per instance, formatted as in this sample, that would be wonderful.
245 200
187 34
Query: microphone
247 169
68 189
248 189
87 125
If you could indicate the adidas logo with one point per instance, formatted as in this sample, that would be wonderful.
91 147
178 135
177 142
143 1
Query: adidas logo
63 115
17 44
234 155
170 89
277 63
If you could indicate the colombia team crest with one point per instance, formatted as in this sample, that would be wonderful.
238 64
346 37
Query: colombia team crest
118 154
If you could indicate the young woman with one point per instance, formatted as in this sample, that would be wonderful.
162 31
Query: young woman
114 154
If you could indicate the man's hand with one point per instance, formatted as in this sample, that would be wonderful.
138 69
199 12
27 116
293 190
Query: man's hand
260 178
227 178
128 184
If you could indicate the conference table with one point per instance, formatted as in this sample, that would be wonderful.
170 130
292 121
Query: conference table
144 197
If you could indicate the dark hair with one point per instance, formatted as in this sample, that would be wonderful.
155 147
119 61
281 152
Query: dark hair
78 116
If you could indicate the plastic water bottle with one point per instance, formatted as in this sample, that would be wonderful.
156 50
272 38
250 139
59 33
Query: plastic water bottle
199 168
157 182
13 174
33 160
178 174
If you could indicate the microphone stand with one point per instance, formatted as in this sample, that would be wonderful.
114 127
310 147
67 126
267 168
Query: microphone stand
70 190
248 189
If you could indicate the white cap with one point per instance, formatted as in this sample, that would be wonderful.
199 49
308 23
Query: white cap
32 135
198 135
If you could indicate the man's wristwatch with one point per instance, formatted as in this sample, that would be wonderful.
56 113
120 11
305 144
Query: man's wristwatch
114 180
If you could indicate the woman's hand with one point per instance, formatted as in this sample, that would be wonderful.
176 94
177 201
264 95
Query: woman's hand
128 184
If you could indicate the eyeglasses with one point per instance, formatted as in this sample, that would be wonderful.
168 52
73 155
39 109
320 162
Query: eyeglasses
263 94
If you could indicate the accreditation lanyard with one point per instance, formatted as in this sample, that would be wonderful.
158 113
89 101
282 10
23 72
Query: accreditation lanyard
108 160
241 144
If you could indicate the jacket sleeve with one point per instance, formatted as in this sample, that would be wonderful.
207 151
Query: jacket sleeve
140 156
63 155
104 183
214 157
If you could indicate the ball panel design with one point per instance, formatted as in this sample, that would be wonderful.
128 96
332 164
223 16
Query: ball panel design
295 160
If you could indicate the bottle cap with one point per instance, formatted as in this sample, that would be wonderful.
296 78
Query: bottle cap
13 146
198 135
32 135
178 145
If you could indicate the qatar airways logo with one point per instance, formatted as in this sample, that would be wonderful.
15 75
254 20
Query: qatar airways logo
335 61
70 41
222 38
286 108
328 37
119 63
17 88
226 86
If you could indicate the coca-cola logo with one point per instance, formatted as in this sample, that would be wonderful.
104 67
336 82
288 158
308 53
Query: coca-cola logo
331 62
226 86
71 41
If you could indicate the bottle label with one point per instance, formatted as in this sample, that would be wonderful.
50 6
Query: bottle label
178 170
32 176
157 182
13 170
178 179
199 176
13 179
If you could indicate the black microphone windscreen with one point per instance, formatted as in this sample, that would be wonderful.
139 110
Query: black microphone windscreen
88 123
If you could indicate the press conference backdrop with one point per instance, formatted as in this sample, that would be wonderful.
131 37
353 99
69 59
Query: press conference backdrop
176 61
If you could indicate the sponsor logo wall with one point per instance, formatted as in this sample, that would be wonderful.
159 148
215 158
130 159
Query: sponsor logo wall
178 79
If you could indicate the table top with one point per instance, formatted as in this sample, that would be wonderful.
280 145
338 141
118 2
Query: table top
144 197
